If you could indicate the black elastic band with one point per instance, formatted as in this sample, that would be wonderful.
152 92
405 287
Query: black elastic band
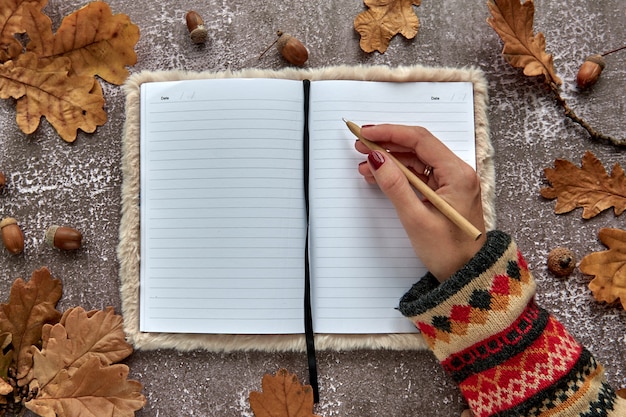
308 317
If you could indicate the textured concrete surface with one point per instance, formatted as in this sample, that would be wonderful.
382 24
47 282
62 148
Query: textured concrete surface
54 182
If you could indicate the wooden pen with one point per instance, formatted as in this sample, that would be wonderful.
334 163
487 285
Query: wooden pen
441 204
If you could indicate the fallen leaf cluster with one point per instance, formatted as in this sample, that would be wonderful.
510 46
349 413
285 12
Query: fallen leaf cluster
591 188
63 365
383 20
52 75
513 21
282 396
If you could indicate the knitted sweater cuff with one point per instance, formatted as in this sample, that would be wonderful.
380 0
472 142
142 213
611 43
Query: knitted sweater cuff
509 356
488 294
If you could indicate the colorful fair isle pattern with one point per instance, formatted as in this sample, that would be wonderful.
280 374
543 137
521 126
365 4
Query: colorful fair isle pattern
509 356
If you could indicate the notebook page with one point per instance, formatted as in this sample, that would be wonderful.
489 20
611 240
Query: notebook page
363 261
222 210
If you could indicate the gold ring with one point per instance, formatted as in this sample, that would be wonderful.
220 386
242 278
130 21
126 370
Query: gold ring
428 170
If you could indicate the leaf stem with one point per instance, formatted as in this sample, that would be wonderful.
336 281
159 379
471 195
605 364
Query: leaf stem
569 113
614 50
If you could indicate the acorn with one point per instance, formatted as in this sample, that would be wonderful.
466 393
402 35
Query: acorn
3 181
64 238
290 48
12 235
195 24
590 71
561 262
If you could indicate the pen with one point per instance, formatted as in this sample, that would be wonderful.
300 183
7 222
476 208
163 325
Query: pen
441 204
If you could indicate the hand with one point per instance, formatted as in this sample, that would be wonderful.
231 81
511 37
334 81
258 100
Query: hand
440 244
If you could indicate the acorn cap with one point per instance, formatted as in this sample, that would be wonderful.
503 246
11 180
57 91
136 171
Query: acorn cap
7 221
598 59
49 235
561 262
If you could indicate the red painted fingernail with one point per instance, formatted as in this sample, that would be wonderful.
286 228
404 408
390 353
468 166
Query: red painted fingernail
376 159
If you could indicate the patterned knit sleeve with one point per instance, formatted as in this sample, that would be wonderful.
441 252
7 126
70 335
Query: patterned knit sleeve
509 356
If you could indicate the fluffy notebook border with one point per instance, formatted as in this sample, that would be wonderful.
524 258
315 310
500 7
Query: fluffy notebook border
129 244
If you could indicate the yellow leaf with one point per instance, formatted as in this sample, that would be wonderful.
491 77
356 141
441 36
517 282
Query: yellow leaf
79 336
42 87
608 267
92 389
31 305
282 396
96 41
383 20
589 187
513 22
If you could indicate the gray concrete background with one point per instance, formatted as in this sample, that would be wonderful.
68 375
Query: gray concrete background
52 182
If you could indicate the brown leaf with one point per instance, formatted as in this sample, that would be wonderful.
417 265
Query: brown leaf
608 267
383 20
513 21
54 76
589 187
96 41
12 23
282 396
6 358
92 389
31 305
44 88
79 336
6 355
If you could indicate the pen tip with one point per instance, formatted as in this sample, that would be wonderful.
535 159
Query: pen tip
344 120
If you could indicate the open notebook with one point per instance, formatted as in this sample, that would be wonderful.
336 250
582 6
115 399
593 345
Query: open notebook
223 213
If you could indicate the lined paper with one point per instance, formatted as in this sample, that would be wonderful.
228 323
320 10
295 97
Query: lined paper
362 260
222 208
223 211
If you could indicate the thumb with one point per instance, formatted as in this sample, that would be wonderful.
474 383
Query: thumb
394 184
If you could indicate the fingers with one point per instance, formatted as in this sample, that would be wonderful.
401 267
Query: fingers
394 184
410 140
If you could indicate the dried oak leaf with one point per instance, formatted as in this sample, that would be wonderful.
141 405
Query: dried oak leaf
11 23
383 20
513 22
608 267
589 187
6 358
79 336
43 87
31 305
92 389
282 396
96 41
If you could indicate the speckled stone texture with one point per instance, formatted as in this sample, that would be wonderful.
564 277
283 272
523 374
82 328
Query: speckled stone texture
52 182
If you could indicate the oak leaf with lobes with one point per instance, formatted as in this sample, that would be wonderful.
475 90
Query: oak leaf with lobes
282 396
608 267
589 187
383 20
54 76
62 365
513 22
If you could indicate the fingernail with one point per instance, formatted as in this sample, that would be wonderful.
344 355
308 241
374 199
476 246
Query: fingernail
376 159
366 126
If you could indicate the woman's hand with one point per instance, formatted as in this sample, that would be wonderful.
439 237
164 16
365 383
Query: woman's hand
441 245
